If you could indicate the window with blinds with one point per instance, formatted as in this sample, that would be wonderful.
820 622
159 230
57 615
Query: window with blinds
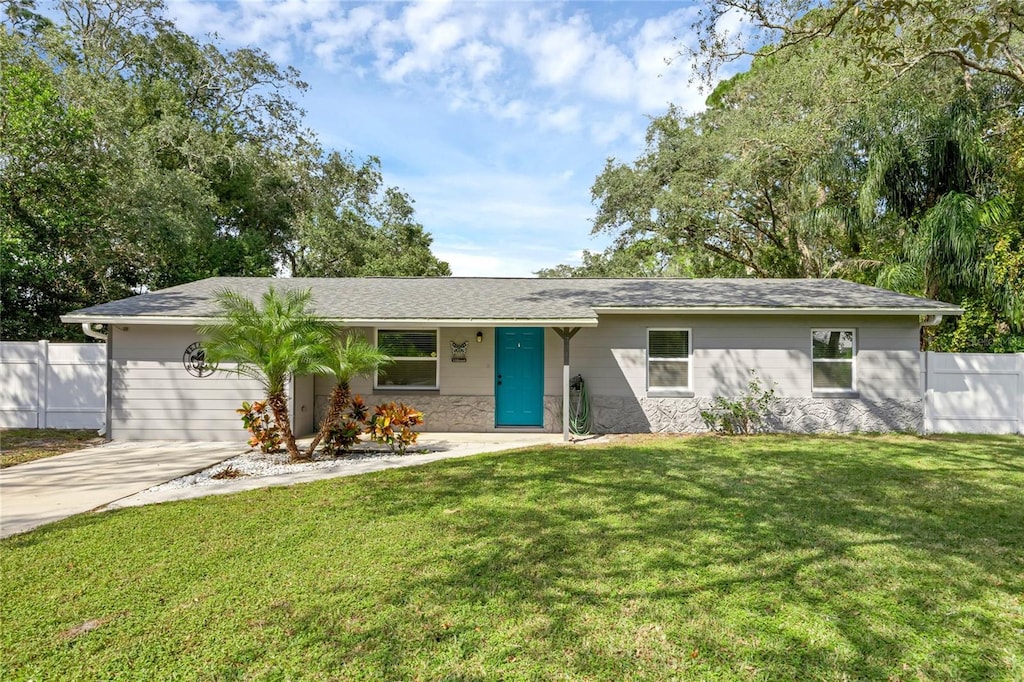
414 352
668 359
833 352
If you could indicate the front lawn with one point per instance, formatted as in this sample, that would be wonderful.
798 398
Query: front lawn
18 446
769 558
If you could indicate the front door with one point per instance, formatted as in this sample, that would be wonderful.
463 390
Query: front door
519 376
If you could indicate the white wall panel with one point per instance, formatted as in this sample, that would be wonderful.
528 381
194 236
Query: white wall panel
155 397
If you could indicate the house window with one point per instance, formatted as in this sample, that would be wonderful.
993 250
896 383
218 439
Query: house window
668 360
414 352
833 353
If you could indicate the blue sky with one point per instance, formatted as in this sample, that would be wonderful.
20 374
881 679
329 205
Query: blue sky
494 116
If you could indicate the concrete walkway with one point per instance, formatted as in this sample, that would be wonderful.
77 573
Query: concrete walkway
114 475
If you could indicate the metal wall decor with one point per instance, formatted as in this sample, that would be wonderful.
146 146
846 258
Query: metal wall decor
195 362
459 351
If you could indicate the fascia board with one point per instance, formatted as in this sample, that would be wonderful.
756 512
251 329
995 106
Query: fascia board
136 319
472 322
368 322
751 310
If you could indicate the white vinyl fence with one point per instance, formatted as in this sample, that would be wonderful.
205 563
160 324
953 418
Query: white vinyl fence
973 392
53 385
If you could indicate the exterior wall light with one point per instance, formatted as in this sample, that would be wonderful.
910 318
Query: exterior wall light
479 337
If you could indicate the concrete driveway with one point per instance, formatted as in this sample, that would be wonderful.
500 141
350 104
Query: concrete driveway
47 490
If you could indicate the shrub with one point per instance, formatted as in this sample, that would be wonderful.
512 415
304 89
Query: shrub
342 435
257 420
391 424
743 415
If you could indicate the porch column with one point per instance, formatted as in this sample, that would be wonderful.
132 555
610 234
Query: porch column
566 333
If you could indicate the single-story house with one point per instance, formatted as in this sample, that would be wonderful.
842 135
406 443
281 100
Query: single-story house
486 354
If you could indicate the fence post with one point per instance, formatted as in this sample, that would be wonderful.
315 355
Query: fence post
1020 393
927 381
42 375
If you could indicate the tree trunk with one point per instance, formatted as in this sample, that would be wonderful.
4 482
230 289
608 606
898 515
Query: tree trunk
340 396
279 407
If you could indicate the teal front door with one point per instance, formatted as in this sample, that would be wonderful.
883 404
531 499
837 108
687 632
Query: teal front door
519 376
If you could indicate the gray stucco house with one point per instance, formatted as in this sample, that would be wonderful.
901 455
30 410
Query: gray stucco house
485 354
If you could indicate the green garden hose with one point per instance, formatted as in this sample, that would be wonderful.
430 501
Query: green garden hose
579 408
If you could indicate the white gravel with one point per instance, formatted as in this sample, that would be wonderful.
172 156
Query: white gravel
256 464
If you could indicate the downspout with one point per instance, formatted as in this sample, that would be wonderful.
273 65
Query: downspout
91 332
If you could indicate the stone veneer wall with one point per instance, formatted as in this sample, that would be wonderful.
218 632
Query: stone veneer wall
794 415
456 413
475 414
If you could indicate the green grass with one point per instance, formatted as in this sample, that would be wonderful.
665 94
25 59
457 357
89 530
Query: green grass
769 558
18 446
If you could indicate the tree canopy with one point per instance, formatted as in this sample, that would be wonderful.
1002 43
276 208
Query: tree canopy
135 157
806 165
890 37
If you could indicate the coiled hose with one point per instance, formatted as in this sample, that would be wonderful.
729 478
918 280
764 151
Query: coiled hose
579 407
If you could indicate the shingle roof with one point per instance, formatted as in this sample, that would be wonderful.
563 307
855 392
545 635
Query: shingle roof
475 299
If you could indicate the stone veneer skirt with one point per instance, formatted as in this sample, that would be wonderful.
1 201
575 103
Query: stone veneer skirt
475 414
792 415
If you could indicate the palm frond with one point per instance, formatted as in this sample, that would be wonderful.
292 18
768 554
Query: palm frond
270 342
904 277
355 356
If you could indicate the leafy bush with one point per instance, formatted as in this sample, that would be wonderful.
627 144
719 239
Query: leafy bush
258 421
391 424
342 435
978 330
743 415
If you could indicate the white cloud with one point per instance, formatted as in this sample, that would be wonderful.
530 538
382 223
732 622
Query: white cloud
564 119
622 125
472 260
482 60
660 83
198 18
476 262
611 76
518 62
560 51
492 204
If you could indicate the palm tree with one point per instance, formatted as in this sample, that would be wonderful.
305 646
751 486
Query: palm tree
270 343
348 358
933 193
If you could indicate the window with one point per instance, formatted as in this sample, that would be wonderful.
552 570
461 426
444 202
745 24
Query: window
668 360
833 351
414 352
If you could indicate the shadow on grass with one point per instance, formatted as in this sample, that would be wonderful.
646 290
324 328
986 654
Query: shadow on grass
768 558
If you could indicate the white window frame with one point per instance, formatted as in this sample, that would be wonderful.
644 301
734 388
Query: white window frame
852 362
670 390
437 360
